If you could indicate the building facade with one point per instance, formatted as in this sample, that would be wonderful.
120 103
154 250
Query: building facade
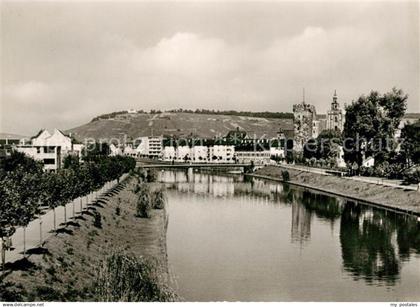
8 142
304 120
200 154
51 148
256 157
150 146
168 153
222 154
183 153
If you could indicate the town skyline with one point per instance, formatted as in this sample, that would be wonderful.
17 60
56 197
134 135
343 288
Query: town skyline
79 60
36 129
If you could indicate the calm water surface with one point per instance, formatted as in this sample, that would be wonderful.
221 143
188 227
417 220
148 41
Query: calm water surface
235 240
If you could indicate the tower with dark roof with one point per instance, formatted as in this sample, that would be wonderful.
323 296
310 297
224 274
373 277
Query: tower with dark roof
304 119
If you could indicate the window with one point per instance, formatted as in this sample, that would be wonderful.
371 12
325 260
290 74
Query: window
49 161
49 149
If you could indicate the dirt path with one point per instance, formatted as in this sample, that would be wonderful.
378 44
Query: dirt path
64 269
40 229
379 194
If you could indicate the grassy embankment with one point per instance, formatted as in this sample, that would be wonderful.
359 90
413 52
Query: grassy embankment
374 193
107 254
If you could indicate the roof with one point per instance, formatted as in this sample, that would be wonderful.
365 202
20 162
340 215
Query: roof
38 134
68 135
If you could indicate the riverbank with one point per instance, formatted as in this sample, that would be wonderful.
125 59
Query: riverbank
374 194
66 266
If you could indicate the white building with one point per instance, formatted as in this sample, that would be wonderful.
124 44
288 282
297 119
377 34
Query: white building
222 154
130 150
315 128
200 154
169 153
256 157
143 147
155 146
183 153
277 152
150 146
51 148
49 155
115 150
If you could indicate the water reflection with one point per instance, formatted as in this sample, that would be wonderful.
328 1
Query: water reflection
368 244
374 243
301 224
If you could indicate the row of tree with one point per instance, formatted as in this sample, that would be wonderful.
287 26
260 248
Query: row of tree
25 187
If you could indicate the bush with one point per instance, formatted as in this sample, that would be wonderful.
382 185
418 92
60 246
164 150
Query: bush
144 204
285 175
97 220
127 278
395 171
159 199
10 292
151 175
412 176
367 171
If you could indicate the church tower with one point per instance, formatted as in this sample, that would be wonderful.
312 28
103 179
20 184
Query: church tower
335 116
304 118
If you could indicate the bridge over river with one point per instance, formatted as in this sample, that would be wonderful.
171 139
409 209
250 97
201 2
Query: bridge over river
193 165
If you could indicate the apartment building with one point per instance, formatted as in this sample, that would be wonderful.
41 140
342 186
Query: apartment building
256 157
183 153
169 153
200 154
150 146
222 154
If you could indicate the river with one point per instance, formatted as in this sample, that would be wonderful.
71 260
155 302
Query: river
231 238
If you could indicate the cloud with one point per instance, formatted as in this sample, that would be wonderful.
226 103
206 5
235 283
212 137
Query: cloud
183 54
313 54
29 92
192 70
317 52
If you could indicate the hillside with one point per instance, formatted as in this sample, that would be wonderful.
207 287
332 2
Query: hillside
179 124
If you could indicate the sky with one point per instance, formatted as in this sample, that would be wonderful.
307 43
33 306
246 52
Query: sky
63 63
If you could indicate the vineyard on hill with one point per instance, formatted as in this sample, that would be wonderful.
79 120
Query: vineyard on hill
182 124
